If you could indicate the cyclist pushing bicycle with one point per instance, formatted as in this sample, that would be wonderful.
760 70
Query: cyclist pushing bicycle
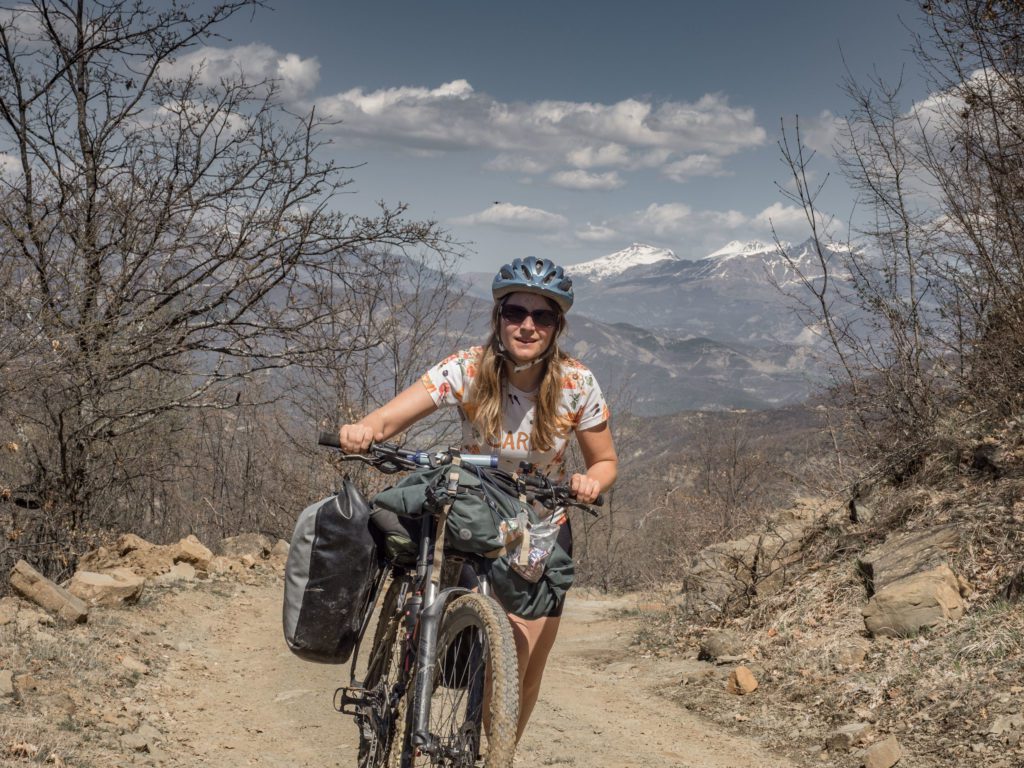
518 397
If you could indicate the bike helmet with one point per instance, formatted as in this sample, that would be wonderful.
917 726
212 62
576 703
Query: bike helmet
533 275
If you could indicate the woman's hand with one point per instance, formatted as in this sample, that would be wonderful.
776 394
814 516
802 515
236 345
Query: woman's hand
356 438
585 488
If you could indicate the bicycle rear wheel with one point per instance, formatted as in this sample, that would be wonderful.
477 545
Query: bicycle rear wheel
474 703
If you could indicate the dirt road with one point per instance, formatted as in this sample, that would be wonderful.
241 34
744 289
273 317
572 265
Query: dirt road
237 697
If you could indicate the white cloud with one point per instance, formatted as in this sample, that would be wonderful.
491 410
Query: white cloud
820 133
515 164
789 222
680 220
694 165
587 181
631 133
595 157
515 217
256 62
596 233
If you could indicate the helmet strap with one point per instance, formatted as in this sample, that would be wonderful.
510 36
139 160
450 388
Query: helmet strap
519 367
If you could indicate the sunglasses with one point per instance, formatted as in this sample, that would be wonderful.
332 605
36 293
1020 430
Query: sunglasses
516 315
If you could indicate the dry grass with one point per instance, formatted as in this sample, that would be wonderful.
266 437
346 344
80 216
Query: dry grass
939 692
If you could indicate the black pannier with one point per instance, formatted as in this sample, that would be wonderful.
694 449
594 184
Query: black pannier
332 565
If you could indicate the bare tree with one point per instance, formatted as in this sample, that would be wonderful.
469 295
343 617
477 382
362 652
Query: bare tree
933 317
161 238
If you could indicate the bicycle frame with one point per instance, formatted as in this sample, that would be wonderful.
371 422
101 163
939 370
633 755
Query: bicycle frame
422 604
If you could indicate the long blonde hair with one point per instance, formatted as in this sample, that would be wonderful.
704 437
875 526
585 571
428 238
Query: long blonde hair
486 398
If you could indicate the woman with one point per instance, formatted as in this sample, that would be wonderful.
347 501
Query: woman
518 396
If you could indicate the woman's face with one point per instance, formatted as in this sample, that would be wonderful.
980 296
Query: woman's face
527 338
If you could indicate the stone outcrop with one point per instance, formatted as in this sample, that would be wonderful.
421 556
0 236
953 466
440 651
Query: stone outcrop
27 581
114 587
920 601
191 550
254 544
726 577
905 554
910 582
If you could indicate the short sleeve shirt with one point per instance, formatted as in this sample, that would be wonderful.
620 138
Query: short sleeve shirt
582 405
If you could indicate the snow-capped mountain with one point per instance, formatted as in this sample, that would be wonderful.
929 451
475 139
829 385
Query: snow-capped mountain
638 254
731 295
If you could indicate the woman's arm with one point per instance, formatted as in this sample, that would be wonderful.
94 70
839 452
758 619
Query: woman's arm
602 462
393 417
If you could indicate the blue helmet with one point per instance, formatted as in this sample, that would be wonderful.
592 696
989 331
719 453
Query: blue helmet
533 275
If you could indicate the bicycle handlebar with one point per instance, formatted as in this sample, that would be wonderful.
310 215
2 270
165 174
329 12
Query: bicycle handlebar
390 458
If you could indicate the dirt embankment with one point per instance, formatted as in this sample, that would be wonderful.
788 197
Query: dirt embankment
220 688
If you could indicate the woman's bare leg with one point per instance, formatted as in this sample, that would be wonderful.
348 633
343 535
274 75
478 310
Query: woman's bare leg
534 639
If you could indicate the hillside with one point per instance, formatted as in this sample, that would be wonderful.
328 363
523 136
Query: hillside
892 615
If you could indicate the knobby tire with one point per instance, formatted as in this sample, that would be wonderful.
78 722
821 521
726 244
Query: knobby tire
476 659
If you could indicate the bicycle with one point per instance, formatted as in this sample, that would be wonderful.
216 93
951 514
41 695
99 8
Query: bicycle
441 682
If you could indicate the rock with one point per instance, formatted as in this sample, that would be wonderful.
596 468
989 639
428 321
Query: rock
848 736
33 585
255 544
741 681
191 550
905 554
129 542
6 683
862 506
851 653
715 645
114 587
221 564
988 460
884 754
177 572
1014 588
905 607
280 550
8 610
247 561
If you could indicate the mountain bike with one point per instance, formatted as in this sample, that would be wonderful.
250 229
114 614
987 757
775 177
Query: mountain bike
440 686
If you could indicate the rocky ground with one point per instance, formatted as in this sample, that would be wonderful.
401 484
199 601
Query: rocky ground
195 672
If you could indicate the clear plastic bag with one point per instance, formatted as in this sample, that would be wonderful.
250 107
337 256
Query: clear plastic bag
529 556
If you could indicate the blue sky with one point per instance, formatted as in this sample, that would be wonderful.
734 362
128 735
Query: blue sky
571 129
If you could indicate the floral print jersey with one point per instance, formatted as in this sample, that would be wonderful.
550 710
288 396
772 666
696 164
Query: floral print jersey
450 381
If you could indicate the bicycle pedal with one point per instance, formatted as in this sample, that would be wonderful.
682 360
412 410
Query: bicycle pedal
352 701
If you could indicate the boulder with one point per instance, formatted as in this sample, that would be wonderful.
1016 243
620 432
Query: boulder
129 542
741 681
191 550
176 573
725 577
905 554
722 643
34 586
851 653
254 544
280 550
114 587
922 601
884 754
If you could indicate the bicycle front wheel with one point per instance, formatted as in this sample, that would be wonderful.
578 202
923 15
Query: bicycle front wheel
474 702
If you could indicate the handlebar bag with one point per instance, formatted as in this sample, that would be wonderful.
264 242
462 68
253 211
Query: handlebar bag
474 526
477 508
332 565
